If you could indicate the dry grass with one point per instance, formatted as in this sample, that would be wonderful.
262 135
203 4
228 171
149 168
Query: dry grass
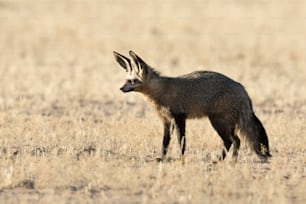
69 136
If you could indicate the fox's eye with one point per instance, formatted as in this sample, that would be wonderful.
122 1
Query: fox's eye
133 81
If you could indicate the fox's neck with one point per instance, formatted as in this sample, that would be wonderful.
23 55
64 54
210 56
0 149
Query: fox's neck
157 93
158 89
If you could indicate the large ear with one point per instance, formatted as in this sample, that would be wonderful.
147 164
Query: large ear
137 60
122 60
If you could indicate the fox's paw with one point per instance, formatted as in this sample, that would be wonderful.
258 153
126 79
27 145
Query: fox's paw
158 159
182 160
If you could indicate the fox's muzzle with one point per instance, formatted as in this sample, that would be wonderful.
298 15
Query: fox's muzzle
126 88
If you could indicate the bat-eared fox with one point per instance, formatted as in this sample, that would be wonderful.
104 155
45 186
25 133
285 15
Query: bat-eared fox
195 95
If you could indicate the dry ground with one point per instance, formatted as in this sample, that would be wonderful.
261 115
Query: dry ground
67 134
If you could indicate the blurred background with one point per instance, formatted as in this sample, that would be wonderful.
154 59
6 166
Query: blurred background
53 51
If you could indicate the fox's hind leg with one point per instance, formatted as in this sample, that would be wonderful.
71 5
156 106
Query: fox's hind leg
225 129
236 145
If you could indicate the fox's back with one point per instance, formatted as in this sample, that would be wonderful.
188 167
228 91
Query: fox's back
210 83
200 93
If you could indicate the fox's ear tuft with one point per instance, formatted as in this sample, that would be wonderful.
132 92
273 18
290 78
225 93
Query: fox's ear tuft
135 57
138 61
122 60
132 54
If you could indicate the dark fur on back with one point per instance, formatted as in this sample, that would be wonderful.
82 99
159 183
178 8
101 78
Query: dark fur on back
224 101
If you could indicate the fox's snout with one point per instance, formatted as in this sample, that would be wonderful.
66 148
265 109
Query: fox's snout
126 88
132 85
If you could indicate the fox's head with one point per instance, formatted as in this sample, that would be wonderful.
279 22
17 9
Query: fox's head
138 72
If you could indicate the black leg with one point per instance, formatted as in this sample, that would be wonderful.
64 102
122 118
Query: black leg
236 145
225 131
166 139
180 123
227 145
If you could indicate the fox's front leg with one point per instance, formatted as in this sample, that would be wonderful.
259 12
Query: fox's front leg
180 124
166 140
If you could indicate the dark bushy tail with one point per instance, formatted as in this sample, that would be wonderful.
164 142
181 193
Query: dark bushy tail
255 133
